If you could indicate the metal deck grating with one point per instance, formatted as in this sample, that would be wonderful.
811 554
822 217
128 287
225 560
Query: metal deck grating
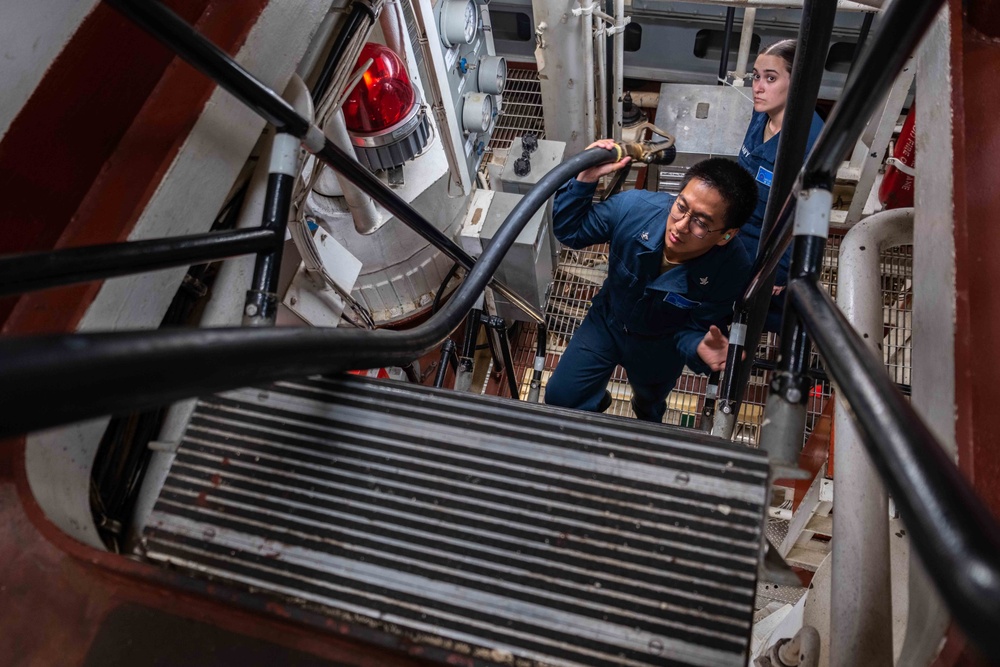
508 532
521 112
581 272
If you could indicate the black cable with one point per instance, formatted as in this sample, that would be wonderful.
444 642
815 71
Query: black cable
724 59
444 283
352 24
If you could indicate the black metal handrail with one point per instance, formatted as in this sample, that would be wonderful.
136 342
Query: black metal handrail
39 270
57 379
902 26
952 531
23 273
815 30
170 29
954 534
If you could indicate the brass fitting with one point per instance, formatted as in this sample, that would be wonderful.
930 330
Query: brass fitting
649 152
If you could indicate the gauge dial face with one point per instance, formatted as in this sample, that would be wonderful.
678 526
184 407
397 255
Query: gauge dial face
477 113
459 22
470 21
487 112
501 75
492 74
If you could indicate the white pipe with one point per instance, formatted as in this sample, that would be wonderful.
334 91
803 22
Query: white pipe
317 46
561 74
366 215
746 37
588 75
861 597
601 94
391 22
619 73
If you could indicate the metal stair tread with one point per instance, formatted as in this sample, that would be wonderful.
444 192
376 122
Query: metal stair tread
522 532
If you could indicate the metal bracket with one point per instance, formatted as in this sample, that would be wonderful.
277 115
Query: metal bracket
614 30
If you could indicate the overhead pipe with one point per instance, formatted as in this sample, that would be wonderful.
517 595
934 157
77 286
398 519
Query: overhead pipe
601 69
618 80
586 16
362 207
310 59
393 28
166 26
746 41
57 379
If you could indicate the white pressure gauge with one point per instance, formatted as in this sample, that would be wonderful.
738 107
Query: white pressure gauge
459 20
477 112
492 74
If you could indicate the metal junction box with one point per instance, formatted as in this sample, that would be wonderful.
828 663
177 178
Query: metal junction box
529 264
543 159
707 121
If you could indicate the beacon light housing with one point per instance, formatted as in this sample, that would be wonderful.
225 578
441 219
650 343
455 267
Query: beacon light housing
383 114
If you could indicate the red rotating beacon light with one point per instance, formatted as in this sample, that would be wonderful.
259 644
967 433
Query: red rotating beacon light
383 114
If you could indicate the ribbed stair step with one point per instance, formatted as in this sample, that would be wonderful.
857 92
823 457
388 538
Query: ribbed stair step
512 533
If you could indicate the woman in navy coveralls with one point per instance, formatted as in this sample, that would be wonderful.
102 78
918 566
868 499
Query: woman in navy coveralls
673 276
772 73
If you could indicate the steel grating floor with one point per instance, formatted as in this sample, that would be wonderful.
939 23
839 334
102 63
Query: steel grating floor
581 272
527 534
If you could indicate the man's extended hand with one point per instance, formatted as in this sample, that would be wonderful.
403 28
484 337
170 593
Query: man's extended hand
713 347
594 174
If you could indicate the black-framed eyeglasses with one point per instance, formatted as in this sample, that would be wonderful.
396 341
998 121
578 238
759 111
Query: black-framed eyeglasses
699 229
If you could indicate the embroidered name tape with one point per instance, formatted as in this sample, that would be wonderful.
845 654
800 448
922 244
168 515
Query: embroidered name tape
679 301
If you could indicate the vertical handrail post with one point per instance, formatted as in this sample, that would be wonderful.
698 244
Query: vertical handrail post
785 408
260 308
748 320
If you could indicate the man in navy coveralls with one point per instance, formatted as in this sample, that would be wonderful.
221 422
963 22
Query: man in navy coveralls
673 276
